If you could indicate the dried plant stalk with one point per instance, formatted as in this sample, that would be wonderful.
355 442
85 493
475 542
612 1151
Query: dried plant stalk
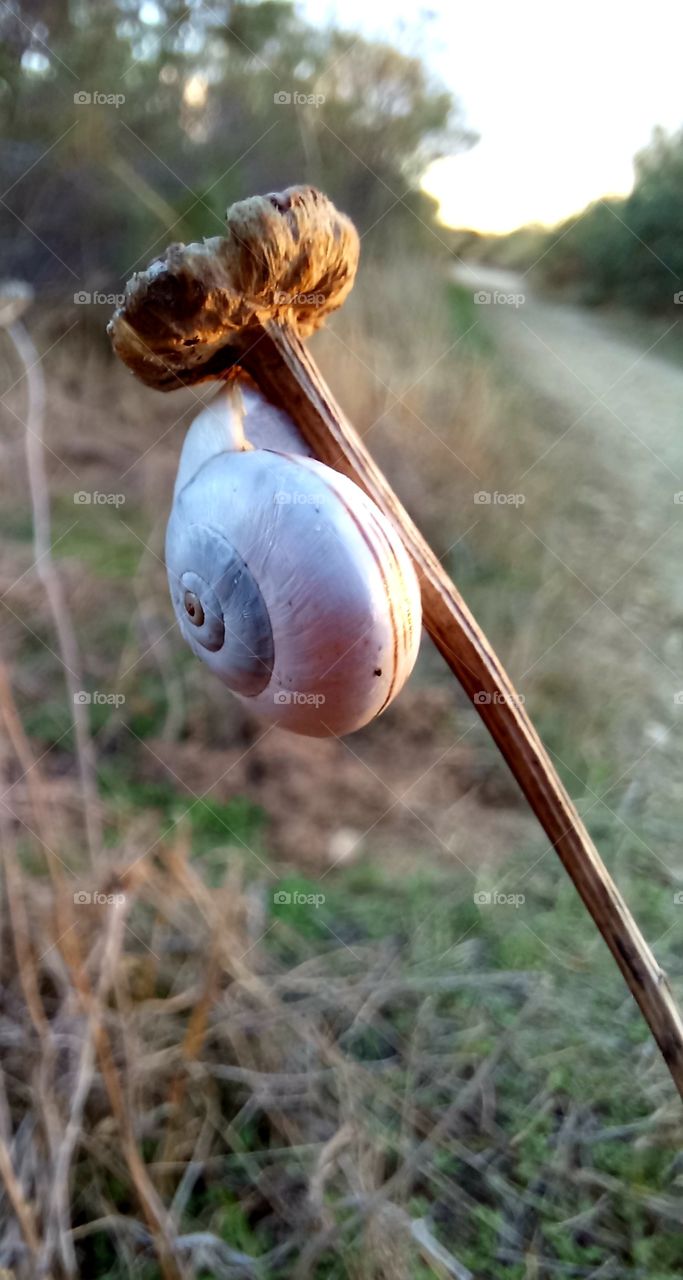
244 301
47 573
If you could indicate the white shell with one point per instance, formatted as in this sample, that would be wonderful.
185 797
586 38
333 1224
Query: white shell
310 603
231 415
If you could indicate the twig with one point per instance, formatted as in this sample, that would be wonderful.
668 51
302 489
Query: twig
445 1262
244 302
47 573
286 373
69 947
22 1208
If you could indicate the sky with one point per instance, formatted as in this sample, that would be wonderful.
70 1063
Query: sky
561 96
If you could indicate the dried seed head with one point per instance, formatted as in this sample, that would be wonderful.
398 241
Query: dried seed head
288 257
16 297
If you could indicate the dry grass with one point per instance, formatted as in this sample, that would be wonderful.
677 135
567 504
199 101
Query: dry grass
198 1084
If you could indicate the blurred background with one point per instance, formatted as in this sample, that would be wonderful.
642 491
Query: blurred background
272 1007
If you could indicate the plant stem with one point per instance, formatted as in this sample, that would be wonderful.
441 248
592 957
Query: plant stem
47 573
287 375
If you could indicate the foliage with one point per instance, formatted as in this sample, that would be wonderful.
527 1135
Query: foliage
309 1088
212 104
481 1068
627 252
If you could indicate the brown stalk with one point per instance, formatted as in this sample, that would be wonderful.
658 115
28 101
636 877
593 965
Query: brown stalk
287 375
244 302
14 299
49 577
69 947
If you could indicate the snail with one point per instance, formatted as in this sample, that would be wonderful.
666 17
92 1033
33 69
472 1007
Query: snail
244 301
285 577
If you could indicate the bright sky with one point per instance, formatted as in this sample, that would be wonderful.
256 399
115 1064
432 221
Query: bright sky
562 96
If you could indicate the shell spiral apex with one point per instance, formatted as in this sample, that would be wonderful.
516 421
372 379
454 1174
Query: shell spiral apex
288 256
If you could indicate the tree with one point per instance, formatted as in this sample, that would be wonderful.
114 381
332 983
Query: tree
189 112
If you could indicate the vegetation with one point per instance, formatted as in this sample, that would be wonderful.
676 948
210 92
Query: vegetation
624 252
286 1036
205 106
398 1080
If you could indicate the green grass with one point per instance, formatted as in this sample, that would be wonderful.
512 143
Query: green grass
516 1013
581 1048
218 830
465 317
100 538
16 523
532 991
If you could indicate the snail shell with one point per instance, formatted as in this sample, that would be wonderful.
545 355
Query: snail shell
286 579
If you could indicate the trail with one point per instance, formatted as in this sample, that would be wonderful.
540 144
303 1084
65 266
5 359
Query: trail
601 378
613 409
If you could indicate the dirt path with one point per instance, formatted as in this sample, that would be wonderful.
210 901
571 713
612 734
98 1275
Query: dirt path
612 408
624 406
599 377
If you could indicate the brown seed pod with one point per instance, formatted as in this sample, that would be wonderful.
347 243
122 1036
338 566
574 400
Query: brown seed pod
287 257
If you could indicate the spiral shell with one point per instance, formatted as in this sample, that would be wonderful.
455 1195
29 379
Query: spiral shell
288 581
